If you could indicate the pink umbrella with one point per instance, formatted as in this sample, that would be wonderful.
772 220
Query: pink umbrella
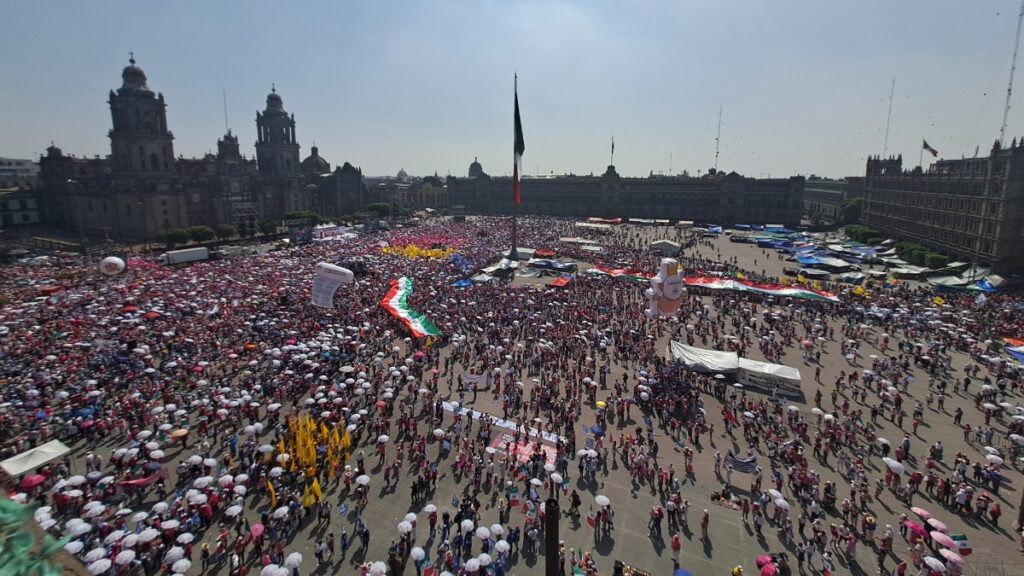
951 556
938 525
942 539
915 527
32 481
921 512
257 530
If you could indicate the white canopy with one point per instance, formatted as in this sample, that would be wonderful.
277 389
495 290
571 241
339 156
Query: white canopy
701 360
34 458
768 376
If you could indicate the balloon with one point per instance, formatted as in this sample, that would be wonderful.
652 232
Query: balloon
326 282
667 289
111 266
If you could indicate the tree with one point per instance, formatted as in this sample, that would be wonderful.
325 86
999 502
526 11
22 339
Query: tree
225 231
174 236
200 233
850 211
381 209
314 218
267 227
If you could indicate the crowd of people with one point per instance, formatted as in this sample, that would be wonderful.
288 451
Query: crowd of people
217 417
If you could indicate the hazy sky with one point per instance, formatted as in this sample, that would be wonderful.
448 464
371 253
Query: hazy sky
427 84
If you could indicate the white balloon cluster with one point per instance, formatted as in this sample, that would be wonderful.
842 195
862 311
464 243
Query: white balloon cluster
667 289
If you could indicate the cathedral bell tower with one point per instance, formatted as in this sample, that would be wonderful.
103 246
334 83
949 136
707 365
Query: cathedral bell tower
139 141
277 152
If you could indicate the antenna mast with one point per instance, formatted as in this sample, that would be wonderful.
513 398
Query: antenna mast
718 138
888 119
224 95
1013 68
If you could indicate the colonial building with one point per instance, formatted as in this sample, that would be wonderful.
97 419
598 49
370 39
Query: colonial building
141 189
970 209
715 198
18 173
824 198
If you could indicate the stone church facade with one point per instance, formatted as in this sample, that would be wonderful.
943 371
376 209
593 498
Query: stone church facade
142 189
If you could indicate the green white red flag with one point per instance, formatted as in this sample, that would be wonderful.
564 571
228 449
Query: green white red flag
397 303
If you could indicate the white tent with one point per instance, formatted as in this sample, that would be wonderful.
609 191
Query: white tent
667 247
767 376
701 360
34 458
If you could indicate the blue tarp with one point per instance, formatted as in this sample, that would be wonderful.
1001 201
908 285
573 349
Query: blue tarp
742 226
462 283
546 264
985 286
807 260
1016 351
715 229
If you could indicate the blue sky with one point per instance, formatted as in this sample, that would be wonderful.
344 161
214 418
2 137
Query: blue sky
427 84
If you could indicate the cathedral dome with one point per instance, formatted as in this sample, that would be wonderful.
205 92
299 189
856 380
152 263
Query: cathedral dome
475 169
133 78
274 102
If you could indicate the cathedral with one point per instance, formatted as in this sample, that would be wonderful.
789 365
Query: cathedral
142 189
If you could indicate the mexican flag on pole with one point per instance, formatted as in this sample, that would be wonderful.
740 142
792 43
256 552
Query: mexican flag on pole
513 498
397 303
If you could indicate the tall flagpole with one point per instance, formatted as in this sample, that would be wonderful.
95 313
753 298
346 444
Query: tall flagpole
513 254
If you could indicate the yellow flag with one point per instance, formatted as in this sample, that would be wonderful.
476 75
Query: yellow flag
800 278
859 291
938 301
816 285
273 494
307 497
281 447
335 438
740 276
316 490
323 432
346 440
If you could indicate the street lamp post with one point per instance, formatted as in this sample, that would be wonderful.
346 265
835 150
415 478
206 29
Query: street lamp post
78 209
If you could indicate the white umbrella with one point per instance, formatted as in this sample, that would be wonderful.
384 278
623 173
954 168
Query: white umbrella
472 565
114 536
74 547
76 480
184 538
293 560
363 480
233 511
124 557
467 526
484 559
95 554
140 516
174 554
280 512
378 569
383 438
148 535
994 459
430 508
100 566
169 524
130 540
483 533
602 500
160 507
404 527
497 530
934 563
79 529
181 566
225 480
502 546
417 553
240 490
